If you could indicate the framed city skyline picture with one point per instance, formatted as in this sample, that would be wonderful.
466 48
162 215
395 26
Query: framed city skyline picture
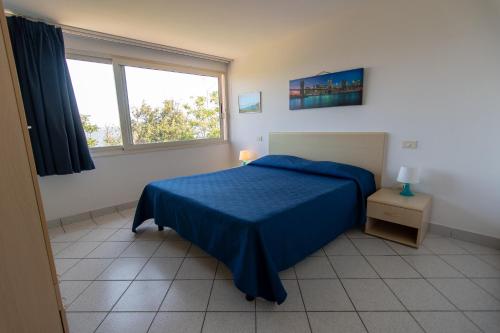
327 90
249 102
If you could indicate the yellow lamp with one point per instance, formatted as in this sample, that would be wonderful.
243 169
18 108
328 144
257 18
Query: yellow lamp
245 156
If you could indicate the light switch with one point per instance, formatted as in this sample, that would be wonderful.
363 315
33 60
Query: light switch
408 144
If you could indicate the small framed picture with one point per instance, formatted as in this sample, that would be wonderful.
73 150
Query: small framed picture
250 102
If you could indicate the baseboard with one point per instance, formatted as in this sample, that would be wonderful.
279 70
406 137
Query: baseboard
467 236
90 214
434 228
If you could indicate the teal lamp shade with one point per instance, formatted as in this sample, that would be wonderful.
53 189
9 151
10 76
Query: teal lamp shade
407 176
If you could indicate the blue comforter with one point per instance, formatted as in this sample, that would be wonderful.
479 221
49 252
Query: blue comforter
261 218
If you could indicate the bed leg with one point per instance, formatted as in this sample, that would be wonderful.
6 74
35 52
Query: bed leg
160 228
249 298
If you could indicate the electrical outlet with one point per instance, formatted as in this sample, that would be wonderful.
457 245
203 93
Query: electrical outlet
408 144
260 138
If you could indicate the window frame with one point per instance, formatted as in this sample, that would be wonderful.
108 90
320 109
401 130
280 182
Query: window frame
119 63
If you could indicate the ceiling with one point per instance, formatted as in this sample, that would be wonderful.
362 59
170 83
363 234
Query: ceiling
226 28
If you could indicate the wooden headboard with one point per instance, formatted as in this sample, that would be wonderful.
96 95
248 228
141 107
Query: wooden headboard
363 149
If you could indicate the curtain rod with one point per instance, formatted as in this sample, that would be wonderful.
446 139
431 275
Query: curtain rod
70 30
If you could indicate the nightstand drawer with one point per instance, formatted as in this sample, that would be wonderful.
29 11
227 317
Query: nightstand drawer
408 217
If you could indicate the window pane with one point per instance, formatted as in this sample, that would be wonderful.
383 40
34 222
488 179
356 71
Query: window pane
169 106
95 91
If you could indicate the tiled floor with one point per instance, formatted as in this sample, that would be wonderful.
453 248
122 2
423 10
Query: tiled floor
115 281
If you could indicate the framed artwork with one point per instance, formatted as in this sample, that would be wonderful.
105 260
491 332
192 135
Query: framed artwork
327 90
250 102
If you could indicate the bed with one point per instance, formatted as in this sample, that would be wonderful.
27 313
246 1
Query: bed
265 217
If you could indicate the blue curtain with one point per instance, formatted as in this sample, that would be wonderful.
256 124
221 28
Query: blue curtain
57 136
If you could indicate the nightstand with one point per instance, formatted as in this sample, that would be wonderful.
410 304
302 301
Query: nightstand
398 218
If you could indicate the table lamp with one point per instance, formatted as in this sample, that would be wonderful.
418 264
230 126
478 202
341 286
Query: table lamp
245 156
407 176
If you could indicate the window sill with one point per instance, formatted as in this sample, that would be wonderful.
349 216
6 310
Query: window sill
146 148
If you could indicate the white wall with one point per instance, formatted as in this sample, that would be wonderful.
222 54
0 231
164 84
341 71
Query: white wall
120 179
432 75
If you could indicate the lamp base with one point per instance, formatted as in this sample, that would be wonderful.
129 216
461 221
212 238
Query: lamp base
406 192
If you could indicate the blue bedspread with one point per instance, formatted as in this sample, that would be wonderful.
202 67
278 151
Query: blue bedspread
261 218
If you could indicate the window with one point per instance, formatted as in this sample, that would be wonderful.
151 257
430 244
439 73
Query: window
95 92
156 105
170 106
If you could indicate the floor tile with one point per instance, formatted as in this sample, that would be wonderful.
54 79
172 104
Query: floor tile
71 289
371 295
197 268
172 249
475 248
319 253
187 295
143 296
55 231
177 322
195 251
489 322
373 247
357 233
392 267
123 235
160 269
78 250
229 322
58 247
71 235
419 295
288 274
471 266
282 322
293 300
324 295
390 322
120 322
314 268
223 272
335 322
408 250
341 246
445 322
108 250
97 235
111 221
492 259
432 267
443 246
151 232
99 296
352 267
226 297
123 269
87 225
490 285
86 269
465 294
140 249
62 265
84 322
174 236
